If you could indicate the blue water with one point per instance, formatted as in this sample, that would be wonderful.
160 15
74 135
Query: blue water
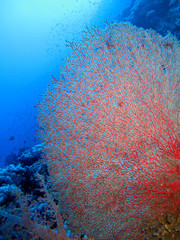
32 46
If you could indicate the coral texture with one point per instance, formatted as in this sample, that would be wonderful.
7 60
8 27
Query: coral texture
111 130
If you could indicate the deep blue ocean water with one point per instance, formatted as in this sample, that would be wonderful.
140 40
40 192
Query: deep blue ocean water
33 38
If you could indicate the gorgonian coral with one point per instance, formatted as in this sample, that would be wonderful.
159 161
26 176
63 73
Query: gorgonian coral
111 130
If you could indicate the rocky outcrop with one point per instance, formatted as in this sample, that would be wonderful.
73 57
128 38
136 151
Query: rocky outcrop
160 15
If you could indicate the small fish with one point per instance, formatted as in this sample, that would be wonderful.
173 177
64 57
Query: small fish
11 138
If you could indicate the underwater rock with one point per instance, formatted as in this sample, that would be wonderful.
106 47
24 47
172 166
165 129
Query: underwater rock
31 155
7 194
24 175
12 175
160 15
27 207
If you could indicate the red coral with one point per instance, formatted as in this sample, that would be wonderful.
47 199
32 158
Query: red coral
111 130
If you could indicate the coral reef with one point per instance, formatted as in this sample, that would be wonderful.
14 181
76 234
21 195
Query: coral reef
28 206
33 211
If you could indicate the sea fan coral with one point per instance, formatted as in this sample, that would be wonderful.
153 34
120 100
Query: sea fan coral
111 130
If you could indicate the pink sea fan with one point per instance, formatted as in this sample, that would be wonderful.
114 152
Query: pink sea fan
111 130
